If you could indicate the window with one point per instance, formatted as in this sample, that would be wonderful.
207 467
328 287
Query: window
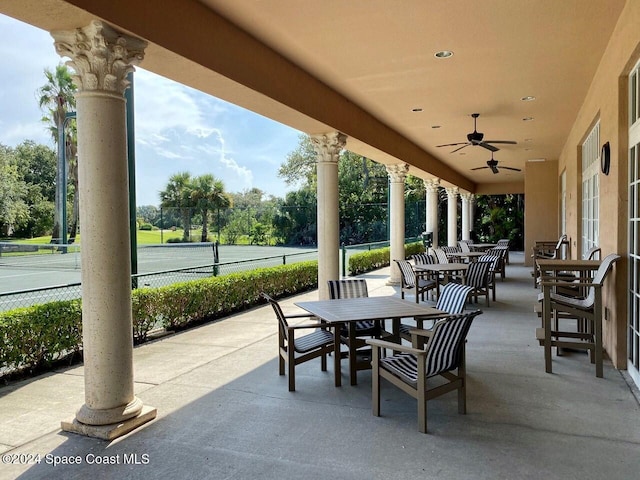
590 189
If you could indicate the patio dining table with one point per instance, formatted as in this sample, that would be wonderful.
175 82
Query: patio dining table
348 311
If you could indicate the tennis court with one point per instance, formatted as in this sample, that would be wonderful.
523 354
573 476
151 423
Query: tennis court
52 265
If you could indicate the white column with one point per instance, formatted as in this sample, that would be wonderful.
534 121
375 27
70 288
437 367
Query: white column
328 147
397 174
452 216
102 58
431 187
466 215
472 211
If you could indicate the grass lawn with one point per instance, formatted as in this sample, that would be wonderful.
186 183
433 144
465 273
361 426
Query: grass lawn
145 237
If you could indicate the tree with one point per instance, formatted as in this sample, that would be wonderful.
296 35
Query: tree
177 194
57 98
208 193
36 166
13 208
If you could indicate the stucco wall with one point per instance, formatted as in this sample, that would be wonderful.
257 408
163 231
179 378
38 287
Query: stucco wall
606 101
541 204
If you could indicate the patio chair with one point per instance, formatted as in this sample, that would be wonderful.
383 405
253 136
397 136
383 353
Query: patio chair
464 246
423 259
452 300
354 288
587 309
501 253
477 276
543 249
592 254
413 283
451 251
493 269
441 256
411 369
504 243
294 351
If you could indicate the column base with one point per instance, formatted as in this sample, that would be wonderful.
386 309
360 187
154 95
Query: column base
394 283
113 430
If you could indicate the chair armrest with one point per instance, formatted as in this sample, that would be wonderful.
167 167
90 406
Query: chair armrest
568 283
421 332
394 346
315 325
300 315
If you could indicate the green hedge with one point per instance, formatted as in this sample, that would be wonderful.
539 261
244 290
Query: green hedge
378 258
34 337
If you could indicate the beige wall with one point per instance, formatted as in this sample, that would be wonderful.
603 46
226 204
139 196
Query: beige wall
606 101
541 204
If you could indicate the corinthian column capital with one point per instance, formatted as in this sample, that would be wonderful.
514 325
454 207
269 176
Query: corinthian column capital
328 146
431 185
101 57
466 196
397 172
452 192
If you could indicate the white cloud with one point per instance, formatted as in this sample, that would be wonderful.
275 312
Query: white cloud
177 128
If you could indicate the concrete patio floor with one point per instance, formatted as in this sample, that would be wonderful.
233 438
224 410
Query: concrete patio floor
224 413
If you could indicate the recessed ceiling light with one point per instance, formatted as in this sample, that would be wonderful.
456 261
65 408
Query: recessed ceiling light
418 109
528 139
443 54
527 119
536 160
435 126
528 98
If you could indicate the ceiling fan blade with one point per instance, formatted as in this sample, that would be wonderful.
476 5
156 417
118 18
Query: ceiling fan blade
488 147
479 168
509 142
452 144
494 169
511 168
460 148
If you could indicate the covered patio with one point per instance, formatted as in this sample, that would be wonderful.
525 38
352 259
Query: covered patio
223 411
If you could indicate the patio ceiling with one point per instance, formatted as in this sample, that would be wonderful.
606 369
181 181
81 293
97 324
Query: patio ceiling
362 67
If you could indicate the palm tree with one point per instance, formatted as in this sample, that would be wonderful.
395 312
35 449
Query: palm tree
57 98
177 194
208 194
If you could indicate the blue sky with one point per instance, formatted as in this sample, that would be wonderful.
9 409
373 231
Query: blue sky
177 128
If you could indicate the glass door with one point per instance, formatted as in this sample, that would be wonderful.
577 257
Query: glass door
633 320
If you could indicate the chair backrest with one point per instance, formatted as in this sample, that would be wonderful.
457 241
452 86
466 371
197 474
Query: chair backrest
599 278
559 250
453 297
494 260
503 242
282 321
440 255
423 259
348 288
478 274
464 246
407 273
446 345
592 254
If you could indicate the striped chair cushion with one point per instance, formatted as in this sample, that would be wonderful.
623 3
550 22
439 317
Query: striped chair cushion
408 275
441 255
443 351
453 298
478 274
423 259
352 288
312 341
348 288
492 259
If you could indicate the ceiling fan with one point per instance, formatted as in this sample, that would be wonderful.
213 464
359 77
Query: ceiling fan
493 165
476 138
